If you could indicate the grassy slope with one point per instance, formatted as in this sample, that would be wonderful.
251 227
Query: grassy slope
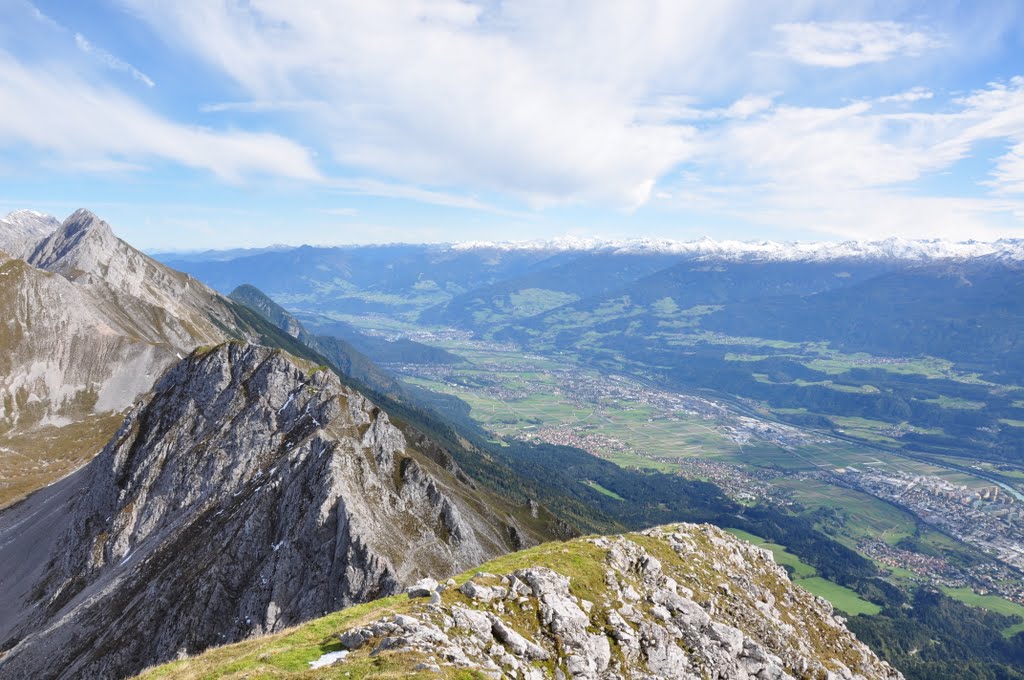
288 653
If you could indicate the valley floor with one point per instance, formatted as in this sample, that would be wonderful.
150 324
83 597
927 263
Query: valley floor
919 520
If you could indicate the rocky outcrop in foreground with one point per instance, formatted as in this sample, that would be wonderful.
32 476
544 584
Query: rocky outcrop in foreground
676 602
248 492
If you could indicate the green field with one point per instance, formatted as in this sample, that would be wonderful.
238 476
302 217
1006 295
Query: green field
800 569
517 396
651 439
805 576
600 489
956 402
841 597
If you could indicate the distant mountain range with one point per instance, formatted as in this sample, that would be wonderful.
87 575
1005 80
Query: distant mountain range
893 248
709 315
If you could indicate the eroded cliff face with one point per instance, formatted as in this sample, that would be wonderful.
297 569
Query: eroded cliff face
87 325
248 492
62 358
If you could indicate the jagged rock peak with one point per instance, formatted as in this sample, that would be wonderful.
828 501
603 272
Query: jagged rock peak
40 222
85 221
83 243
276 492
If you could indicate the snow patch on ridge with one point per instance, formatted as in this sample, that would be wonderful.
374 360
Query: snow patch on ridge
894 248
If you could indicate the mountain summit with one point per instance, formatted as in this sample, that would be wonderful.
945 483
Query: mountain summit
90 323
82 244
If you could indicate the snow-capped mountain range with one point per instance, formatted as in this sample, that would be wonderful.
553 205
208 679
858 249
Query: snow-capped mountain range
893 248
23 227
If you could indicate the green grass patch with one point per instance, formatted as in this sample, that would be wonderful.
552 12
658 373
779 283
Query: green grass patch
841 597
800 569
600 489
957 403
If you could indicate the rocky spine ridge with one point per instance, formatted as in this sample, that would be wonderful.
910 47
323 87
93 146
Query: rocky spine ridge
89 323
249 492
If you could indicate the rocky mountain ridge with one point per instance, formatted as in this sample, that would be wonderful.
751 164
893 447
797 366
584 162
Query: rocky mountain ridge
20 230
676 602
250 491
87 324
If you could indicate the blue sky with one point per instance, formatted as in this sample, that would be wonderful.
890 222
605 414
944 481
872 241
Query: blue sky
200 123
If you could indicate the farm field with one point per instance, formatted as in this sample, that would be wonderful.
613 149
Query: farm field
528 396
805 576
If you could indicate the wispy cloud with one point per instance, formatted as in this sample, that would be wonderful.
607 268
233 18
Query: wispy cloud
110 61
853 170
372 187
448 94
858 145
1008 174
84 45
842 44
262 106
914 94
59 113
486 106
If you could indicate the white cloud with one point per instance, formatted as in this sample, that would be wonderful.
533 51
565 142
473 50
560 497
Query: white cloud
748 106
842 44
554 101
58 112
914 94
1008 175
110 61
261 106
880 213
537 99
363 186
855 147
341 212
852 170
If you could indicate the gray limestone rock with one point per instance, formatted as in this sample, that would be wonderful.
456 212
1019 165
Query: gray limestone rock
248 492
425 587
668 634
